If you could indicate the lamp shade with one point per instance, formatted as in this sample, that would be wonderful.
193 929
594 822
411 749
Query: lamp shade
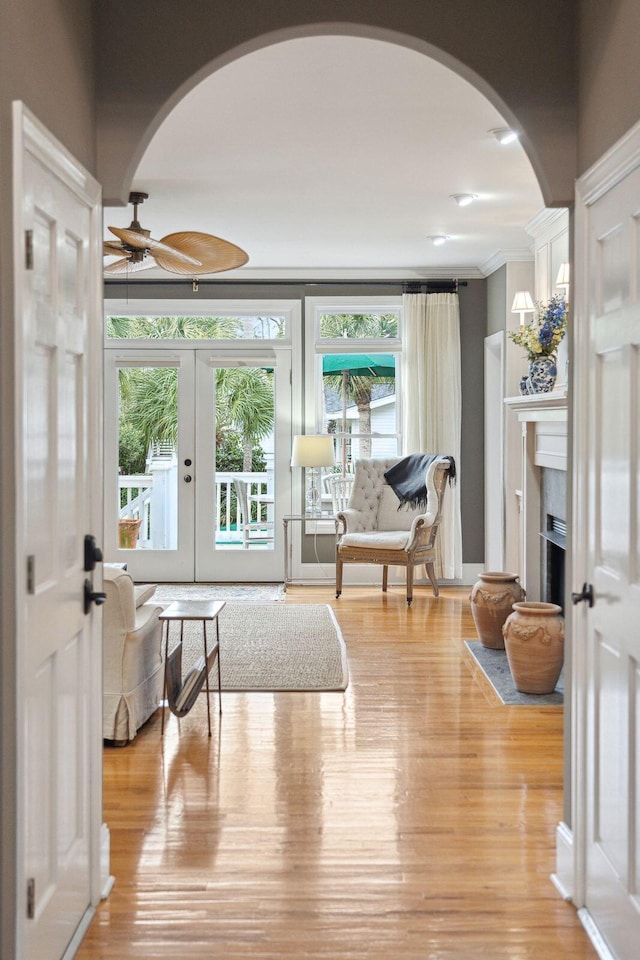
564 275
522 302
313 450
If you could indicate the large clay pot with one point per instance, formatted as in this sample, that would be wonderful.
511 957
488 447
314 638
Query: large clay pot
128 534
492 599
534 640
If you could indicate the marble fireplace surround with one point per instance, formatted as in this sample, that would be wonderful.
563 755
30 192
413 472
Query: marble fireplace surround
543 421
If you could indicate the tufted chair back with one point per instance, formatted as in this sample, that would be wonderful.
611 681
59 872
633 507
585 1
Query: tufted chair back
375 501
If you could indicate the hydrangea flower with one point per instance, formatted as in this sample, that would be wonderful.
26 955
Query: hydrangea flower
542 336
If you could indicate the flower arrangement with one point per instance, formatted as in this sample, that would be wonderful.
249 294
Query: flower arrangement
542 336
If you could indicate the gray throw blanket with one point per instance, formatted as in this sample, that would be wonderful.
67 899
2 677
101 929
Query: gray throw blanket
408 476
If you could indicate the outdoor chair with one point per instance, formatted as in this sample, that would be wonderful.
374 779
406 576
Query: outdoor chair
377 529
339 486
252 530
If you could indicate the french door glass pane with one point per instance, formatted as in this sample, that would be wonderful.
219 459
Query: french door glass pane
244 458
147 458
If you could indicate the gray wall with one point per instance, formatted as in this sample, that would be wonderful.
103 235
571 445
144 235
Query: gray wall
496 300
472 331
519 54
609 95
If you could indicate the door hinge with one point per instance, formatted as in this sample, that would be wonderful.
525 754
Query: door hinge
31 573
31 898
28 249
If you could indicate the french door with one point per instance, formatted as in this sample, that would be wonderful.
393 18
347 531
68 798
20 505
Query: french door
188 508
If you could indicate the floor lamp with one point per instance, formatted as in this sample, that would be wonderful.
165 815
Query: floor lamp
311 451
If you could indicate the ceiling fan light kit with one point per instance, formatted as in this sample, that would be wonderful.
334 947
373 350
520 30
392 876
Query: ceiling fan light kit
187 253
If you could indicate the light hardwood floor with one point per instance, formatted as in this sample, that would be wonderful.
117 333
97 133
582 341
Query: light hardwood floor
412 816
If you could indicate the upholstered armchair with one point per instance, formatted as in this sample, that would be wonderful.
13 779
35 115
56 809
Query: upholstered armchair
377 529
132 667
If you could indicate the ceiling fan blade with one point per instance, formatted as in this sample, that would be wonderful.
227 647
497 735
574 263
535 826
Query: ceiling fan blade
112 248
141 242
128 266
213 253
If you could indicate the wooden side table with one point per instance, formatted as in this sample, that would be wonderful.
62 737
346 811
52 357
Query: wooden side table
183 692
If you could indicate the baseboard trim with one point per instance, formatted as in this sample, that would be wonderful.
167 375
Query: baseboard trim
563 878
596 938
361 575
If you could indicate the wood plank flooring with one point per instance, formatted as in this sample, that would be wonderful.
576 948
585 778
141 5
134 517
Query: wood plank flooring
410 817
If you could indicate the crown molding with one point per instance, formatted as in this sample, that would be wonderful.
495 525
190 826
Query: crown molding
547 218
500 257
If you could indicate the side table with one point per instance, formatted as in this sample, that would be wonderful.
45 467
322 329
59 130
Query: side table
287 518
181 694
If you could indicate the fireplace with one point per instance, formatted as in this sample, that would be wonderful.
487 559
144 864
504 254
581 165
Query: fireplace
537 481
552 561
553 510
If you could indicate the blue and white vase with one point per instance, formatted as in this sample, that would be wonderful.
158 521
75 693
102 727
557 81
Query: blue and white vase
542 374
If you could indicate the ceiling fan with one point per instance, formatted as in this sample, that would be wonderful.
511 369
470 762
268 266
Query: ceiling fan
188 253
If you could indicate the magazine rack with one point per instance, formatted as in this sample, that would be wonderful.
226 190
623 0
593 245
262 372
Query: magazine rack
180 693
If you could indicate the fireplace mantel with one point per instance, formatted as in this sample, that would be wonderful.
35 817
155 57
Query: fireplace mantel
543 419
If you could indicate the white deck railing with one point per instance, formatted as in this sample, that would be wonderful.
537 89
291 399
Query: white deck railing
136 494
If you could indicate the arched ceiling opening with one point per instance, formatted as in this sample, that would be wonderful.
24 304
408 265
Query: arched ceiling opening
337 156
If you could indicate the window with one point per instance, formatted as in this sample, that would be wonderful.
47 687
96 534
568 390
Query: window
186 320
353 359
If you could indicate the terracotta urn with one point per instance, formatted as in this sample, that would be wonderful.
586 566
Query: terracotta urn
128 534
492 599
534 641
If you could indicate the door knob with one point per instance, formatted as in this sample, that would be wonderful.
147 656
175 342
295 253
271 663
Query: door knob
187 478
92 552
585 594
91 596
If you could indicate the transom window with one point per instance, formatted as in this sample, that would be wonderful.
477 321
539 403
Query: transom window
184 320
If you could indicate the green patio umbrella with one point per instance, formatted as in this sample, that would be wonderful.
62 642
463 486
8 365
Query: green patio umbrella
356 365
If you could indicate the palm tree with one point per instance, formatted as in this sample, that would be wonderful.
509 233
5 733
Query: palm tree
173 328
358 387
244 401
149 396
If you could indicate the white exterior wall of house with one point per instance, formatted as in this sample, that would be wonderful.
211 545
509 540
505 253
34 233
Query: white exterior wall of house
383 421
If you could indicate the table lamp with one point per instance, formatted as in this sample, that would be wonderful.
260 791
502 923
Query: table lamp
522 303
311 451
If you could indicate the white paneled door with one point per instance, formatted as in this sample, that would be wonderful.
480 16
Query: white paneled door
606 635
58 503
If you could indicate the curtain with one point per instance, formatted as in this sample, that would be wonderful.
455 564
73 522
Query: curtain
432 404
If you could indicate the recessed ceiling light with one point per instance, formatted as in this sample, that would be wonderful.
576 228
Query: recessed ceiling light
438 239
464 199
504 135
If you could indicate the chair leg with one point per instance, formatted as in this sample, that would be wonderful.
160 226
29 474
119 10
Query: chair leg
409 584
338 577
432 577
385 577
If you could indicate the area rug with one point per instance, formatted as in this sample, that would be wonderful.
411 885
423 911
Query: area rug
237 592
495 666
272 647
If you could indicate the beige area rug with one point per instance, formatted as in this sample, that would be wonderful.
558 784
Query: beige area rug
272 647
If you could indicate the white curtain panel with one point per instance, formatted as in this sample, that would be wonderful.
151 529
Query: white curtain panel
432 403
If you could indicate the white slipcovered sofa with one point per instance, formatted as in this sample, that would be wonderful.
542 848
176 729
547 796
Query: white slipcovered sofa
132 666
